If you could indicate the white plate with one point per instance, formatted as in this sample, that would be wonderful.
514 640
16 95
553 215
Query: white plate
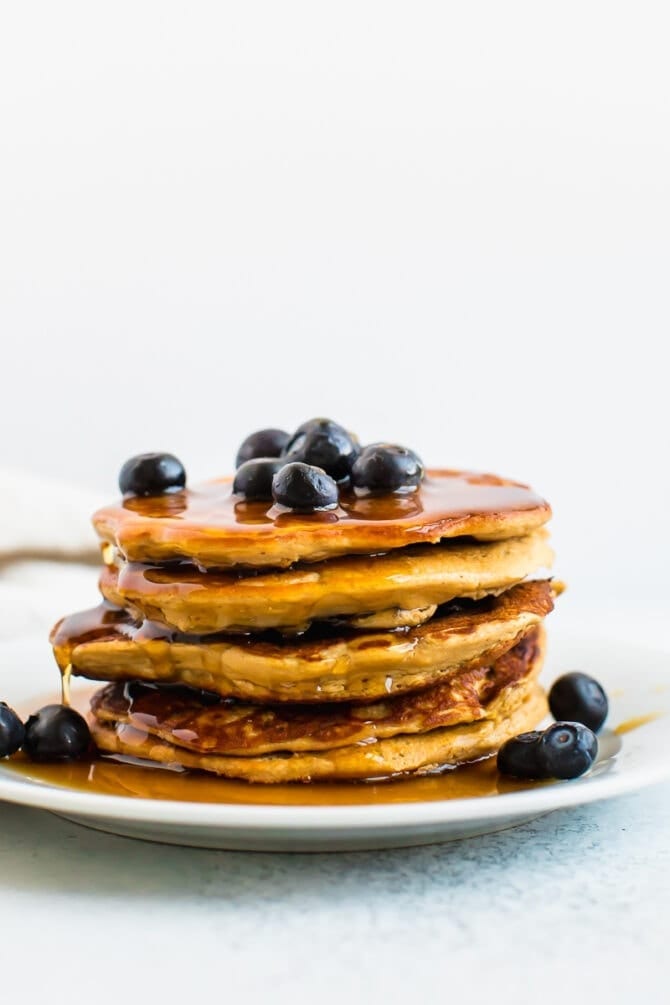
638 683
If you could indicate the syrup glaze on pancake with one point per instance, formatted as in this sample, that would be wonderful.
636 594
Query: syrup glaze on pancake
328 663
203 722
394 634
206 601
517 708
215 529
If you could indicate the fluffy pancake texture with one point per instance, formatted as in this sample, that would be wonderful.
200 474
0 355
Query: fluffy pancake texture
106 644
215 529
197 601
204 724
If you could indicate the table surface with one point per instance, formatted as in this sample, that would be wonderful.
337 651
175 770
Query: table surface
576 902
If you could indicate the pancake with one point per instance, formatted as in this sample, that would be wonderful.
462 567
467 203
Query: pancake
518 708
204 723
216 529
394 617
196 601
106 644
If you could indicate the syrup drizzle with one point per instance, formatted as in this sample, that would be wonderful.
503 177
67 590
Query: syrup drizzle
217 529
639 720
444 494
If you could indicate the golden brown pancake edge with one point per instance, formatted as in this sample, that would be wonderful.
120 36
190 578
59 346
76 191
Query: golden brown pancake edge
103 645
195 721
210 526
204 602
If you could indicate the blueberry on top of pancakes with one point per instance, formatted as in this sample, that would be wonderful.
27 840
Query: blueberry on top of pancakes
151 475
304 488
325 444
386 467
253 479
262 443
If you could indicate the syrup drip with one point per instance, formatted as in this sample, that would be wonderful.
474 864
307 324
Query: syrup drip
65 680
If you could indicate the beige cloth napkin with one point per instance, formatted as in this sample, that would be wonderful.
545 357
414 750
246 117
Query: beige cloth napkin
48 552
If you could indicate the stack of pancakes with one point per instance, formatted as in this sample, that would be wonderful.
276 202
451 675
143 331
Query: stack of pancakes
393 634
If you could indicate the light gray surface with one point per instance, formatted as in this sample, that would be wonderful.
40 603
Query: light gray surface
575 903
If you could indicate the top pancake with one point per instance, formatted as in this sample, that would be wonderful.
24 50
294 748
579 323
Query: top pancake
216 529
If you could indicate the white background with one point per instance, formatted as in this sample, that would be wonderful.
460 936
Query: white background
445 224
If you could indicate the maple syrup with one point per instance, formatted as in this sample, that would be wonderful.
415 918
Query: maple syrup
639 720
120 775
116 775
212 526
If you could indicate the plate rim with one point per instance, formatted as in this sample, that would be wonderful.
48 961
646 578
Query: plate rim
337 818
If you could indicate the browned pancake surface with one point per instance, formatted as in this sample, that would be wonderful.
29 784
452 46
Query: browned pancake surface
216 529
201 722
105 643
517 708
203 601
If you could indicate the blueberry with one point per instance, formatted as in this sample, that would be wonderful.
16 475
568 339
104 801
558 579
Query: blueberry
567 750
151 475
324 444
519 756
57 733
385 467
263 443
304 487
254 478
12 730
576 697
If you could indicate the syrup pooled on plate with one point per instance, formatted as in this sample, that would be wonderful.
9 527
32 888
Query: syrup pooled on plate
216 528
115 775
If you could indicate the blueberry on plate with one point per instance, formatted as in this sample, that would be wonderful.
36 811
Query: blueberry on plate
385 467
325 444
518 757
12 730
576 697
304 488
567 750
262 443
151 475
57 733
253 479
